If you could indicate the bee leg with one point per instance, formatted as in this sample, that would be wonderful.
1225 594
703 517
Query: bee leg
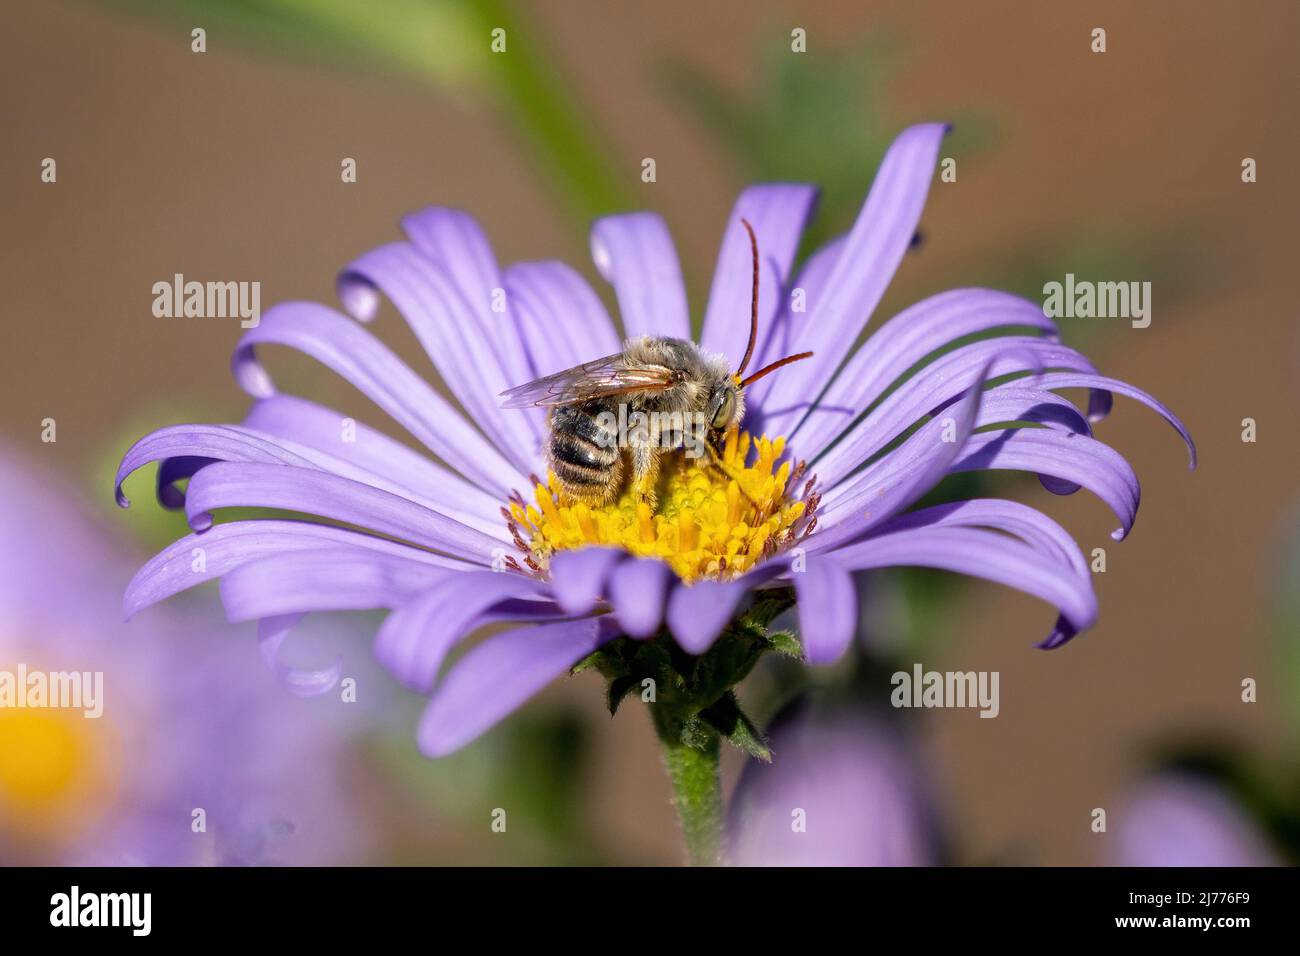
645 473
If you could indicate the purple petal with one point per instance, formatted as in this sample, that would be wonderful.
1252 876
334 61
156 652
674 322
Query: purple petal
778 212
499 675
215 442
859 786
788 328
240 485
1101 385
578 577
981 554
327 579
876 245
359 357
638 589
562 320
455 337
907 473
300 682
635 254
287 416
1029 524
454 241
902 343
1076 459
415 639
198 558
186 448
698 613
1178 819
828 608
935 386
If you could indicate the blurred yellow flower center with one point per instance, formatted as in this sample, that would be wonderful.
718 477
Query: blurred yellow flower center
710 521
54 771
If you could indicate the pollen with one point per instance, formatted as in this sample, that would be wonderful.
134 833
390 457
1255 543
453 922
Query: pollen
712 519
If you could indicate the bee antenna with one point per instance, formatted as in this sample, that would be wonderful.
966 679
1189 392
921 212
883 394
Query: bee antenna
753 300
774 366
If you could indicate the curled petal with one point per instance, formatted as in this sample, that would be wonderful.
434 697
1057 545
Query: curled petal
301 682
252 485
187 448
305 422
935 386
902 343
1100 385
198 558
982 554
1072 458
1029 524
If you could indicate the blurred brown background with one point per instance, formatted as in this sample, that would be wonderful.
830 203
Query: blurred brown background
226 166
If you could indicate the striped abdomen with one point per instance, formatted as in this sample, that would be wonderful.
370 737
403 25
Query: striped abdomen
584 456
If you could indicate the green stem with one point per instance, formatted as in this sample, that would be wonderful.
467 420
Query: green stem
693 767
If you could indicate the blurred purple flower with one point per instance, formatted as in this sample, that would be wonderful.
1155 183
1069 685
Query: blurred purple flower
431 537
188 722
842 790
1177 819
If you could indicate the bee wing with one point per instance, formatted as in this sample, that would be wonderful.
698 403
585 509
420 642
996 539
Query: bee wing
610 375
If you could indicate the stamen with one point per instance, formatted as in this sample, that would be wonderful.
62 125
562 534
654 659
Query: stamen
709 522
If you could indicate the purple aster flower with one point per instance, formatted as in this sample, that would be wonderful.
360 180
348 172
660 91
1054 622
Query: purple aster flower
1178 819
469 535
842 790
184 722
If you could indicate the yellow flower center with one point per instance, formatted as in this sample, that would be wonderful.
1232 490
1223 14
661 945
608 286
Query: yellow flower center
55 772
711 520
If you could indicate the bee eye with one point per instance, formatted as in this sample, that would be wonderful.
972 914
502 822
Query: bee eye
722 416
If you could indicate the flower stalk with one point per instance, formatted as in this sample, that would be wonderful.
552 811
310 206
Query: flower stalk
692 755
693 707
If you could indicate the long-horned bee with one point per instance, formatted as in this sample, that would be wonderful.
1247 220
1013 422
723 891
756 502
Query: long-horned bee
657 395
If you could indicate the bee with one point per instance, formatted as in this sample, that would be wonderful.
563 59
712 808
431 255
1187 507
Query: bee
665 386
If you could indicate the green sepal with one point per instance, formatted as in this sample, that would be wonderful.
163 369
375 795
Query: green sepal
728 719
785 644
618 689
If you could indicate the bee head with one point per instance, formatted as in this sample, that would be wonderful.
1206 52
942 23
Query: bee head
725 407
